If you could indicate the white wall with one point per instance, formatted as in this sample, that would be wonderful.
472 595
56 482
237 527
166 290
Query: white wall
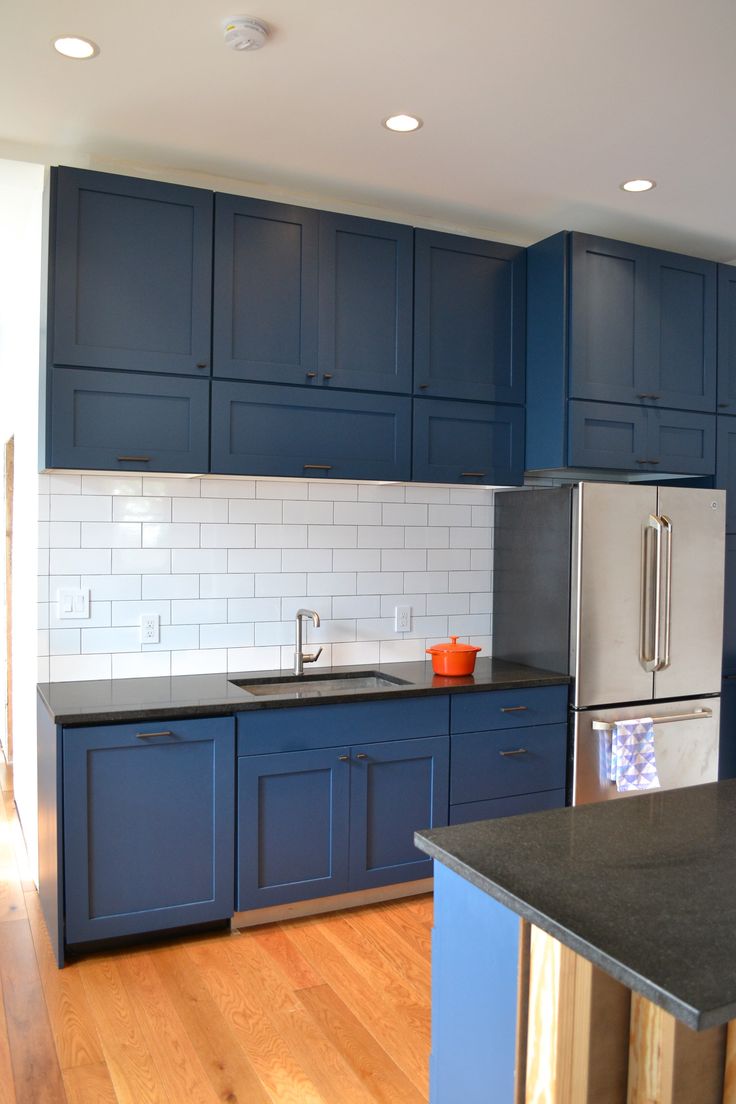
21 194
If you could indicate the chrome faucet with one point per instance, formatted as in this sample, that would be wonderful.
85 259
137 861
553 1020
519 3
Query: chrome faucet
301 657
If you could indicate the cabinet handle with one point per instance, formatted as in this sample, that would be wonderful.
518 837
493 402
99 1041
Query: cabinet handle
423 386
477 475
514 708
327 375
647 461
311 375
150 735
343 758
136 459
361 755
317 467
516 751
202 364
729 678
724 404
647 395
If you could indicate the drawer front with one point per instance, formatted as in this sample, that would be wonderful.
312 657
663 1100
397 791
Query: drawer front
486 765
473 443
302 728
507 806
508 709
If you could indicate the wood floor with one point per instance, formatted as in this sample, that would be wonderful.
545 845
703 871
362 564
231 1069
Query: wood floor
329 1010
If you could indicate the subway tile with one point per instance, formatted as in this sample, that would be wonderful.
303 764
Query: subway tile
42 533
332 491
471 624
135 508
175 638
485 644
330 632
198 611
450 515
269 633
253 659
198 561
76 668
198 509
112 485
481 603
234 635
482 515
76 561
226 586
228 488
111 534
403 559
402 513
470 580
254 609
380 536
448 559
435 495
373 628
448 603
139 561
61 483
389 602
228 536
267 488
281 536
427 626
130 613
266 511
380 582
43 669
172 586
163 535
107 588
110 640
168 486
64 642
356 559
471 537
139 665
357 513
308 513
199 662
289 605
481 559
100 616
471 496
355 652
306 559
332 536
402 651
356 605
44 507
42 588
331 582
434 536
378 492
43 561
254 559
429 581
68 507
42 615
56 581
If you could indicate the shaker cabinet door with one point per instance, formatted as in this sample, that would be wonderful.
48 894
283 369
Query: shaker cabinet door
608 435
131 273
727 339
726 466
683 292
457 442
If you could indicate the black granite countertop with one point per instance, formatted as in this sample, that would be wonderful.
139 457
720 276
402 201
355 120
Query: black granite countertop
644 887
110 700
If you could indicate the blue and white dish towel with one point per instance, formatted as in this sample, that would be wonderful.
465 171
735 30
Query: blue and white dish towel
633 762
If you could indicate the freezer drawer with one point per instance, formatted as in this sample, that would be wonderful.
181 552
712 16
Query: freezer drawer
686 750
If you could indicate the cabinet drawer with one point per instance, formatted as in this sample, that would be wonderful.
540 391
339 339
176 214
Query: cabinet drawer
300 729
507 806
499 764
608 435
476 443
508 708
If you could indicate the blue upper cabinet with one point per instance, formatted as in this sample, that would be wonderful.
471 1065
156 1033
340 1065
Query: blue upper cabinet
365 304
469 318
684 290
265 291
460 442
131 273
726 467
727 339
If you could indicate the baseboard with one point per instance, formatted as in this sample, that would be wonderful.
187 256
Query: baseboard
252 917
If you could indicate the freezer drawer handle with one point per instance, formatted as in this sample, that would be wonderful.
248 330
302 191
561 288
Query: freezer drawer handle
696 715
514 708
515 751
150 735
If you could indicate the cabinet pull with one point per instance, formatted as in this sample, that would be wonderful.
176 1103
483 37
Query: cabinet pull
515 751
423 386
729 678
514 708
647 461
478 475
311 375
647 395
724 404
317 467
343 758
361 755
136 459
201 364
327 375
150 735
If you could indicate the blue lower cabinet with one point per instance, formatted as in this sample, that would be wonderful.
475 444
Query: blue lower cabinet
125 421
258 429
729 607
396 788
458 442
148 826
507 806
292 826
727 748
497 764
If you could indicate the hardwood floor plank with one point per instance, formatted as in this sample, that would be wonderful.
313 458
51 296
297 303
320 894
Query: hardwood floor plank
373 939
408 925
12 903
226 1065
354 940
7 1081
293 965
357 1046
89 1085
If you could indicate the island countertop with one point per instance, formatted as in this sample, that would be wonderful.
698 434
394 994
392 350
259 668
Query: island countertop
644 888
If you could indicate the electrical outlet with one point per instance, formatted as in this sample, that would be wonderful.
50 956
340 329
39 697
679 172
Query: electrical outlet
402 618
150 628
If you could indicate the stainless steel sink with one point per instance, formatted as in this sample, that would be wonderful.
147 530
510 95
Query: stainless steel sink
316 686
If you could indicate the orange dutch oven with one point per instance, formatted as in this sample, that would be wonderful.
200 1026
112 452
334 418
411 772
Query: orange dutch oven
453 658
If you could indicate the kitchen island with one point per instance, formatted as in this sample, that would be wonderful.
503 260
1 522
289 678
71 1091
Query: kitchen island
619 981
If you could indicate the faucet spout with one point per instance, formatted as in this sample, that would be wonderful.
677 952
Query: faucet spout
300 656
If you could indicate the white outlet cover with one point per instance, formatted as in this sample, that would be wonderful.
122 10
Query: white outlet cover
150 628
402 618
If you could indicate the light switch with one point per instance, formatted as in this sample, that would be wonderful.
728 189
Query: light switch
72 604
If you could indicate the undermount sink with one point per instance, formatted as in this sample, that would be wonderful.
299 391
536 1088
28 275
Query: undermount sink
317 685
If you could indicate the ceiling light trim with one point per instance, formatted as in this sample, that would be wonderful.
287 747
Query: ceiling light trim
75 47
403 123
638 184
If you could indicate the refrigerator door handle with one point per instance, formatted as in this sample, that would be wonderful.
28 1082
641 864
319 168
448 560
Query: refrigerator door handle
666 601
651 596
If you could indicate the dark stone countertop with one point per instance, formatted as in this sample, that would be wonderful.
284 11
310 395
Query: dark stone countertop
644 887
108 700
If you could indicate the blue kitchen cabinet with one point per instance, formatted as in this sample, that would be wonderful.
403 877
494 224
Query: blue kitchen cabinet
130 279
265 291
729 610
259 429
727 339
727 743
365 304
628 438
726 466
127 421
148 826
461 442
469 318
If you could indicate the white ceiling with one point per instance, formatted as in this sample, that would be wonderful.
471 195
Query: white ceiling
534 111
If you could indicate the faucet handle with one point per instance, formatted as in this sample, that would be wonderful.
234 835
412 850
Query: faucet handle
312 657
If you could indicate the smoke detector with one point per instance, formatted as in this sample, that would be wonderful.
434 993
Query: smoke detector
244 33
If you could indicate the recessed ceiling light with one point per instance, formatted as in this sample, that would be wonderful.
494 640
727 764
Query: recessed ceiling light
72 46
402 123
638 185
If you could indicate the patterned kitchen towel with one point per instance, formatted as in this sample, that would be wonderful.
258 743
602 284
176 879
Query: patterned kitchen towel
633 759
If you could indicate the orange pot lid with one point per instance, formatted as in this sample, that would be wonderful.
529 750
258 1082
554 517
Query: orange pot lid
452 646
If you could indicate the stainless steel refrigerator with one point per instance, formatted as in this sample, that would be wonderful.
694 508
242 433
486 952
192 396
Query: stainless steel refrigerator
620 585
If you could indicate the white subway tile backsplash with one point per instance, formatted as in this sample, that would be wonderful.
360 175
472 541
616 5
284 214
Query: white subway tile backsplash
435 536
111 534
481 559
43 561
198 611
322 605
169 486
76 668
61 483
448 603
356 605
356 652
412 513
100 614
429 582
43 533
308 513
62 534
199 662
70 507
175 638
332 536
235 635
64 642
228 536
130 613
482 515
254 559
419 493
470 625
380 582
416 602
280 536
306 559
281 584
403 559
110 640
450 515
226 586
112 587
471 496
253 659
448 559
42 615
75 561
275 488
135 508
380 536
43 669
173 586
254 609
252 511
357 513
163 535
470 580
112 485
356 559
228 488
195 561
481 602
428 627
268 633
333 492
374 628
44 507
472 537
331 582
138 561
197 509
138 665
401 651
381 492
